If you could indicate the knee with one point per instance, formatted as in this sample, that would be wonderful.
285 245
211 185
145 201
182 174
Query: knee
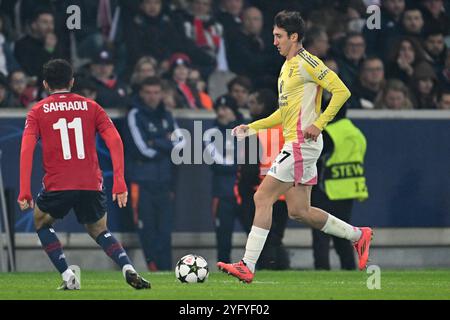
298 213
262 200
95 230
41 222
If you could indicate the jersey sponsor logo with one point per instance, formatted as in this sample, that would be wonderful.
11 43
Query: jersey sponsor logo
323 74
281 86
65 106
290 72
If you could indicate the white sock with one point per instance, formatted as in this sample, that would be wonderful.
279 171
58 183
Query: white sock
126 268
255 243
341 229
67 274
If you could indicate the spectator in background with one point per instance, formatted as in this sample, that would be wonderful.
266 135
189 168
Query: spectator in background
7 60
316 41
111 92
39 45
149 170
444 75
239 88
5 95
145 67
444 100
155 34
195 80
435 50
101 25
224 166
251 53
23 89
369 85
378 39
434 15
207 34
413 23
395 96
353 55
190 98
86 88
171 99
425 86
404 56
229 15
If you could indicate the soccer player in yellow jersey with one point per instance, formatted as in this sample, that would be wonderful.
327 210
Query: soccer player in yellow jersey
300 84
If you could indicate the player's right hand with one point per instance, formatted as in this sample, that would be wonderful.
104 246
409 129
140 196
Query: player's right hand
241 131
122 199
25 203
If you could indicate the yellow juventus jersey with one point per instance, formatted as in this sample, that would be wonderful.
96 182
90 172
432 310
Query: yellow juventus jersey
300 85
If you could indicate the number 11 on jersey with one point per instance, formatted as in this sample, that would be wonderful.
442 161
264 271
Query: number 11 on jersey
63 128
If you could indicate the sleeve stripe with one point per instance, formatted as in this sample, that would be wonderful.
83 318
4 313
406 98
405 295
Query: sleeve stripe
137 137
309 60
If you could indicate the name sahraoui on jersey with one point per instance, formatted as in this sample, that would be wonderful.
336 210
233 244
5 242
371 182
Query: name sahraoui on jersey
65 106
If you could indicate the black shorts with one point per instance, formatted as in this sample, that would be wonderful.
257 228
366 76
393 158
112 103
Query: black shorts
89 206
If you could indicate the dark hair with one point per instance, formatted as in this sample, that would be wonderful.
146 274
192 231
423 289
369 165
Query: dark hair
292 22
151 81
417 47
40 11
370 58
242 81
58 73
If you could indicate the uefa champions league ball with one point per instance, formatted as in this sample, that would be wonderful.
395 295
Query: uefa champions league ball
191 269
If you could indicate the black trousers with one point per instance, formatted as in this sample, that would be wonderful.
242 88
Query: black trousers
274 255
321 241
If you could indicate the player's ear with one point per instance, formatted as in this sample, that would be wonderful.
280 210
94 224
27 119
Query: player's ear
71 83
294 37
45 84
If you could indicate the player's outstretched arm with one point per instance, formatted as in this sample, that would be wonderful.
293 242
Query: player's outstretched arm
25 200
245 130
115 146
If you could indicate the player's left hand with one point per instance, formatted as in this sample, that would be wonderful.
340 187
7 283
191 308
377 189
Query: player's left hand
312 132
122 199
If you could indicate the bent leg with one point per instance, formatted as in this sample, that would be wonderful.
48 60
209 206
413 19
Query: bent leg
100 233
299 208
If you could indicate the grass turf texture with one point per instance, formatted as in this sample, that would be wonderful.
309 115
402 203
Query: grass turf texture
268 285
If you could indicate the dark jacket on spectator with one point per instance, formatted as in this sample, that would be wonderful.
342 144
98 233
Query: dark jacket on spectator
31 55
111 95
147 143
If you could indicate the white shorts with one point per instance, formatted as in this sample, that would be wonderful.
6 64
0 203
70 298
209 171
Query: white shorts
296 162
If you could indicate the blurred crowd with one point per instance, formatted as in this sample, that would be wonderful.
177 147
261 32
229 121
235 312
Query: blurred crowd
202 49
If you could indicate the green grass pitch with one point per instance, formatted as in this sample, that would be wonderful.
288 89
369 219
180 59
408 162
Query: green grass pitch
267 285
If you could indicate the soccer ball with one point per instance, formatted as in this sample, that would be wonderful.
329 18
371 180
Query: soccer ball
191 269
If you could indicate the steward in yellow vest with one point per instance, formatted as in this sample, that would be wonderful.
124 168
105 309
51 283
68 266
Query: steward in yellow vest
344 169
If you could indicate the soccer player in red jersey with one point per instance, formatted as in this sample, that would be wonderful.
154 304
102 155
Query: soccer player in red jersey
66 124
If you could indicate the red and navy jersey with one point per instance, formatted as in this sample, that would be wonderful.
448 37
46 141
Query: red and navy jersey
66 124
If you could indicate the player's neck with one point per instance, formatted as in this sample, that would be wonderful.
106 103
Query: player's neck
295 49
